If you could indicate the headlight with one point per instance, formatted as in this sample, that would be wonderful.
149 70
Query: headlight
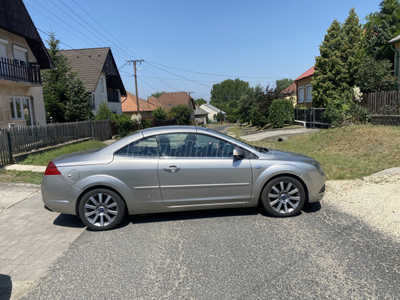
319 167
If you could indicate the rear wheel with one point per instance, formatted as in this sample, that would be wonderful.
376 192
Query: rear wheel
101 209
283 197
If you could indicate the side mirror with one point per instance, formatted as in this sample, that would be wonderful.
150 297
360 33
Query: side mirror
238 153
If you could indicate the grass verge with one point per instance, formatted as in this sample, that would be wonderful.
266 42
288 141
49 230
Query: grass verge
44 158
348 152
20 176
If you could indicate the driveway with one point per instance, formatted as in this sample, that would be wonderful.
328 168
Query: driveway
277 134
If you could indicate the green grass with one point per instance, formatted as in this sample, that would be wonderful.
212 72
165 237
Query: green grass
20 176
349 152
44 158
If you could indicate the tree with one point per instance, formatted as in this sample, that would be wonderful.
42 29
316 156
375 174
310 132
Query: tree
103 113
181 113
352 52
282 84
254 106
65 96
375 76
227 91
381 27
78 105
330 80
199 101
156 94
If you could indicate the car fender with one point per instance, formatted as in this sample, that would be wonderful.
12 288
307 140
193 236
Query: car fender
260 180
105 181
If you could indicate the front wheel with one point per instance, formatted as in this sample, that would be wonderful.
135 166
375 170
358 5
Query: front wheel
283 197
101 209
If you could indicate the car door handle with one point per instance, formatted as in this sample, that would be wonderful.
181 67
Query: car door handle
172 169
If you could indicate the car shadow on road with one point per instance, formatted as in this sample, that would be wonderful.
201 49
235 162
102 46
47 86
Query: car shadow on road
64 220
189 215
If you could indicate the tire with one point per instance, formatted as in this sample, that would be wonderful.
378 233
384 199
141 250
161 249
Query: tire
283 197
101 209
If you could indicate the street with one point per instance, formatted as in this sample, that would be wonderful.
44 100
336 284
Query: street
228 254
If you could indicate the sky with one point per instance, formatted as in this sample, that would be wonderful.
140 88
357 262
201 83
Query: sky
191 45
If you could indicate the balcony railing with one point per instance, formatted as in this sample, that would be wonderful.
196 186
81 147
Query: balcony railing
17 70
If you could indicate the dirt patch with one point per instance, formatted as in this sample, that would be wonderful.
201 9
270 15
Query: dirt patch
375 200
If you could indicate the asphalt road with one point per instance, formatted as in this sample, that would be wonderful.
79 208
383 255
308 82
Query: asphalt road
228 254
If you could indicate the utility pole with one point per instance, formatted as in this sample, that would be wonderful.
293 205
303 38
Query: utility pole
136 89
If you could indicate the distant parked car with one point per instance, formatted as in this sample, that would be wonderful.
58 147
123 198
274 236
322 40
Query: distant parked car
177 168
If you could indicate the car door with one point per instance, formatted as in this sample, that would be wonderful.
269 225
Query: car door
136 166
198 169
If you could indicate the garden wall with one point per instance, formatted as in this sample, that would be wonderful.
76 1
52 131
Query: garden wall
385 120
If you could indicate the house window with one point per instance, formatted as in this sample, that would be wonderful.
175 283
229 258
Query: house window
21 109
301 95
101 85
3 48
20 55
308 93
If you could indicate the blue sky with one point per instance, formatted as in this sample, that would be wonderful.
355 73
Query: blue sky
255 41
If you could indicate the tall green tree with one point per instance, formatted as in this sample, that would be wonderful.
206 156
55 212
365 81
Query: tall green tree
352 52
227 91
64 94
381 27
330 80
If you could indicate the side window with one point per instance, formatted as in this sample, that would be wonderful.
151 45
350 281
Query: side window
146 148
194 145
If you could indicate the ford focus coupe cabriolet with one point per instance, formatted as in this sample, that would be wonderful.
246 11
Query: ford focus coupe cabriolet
177 168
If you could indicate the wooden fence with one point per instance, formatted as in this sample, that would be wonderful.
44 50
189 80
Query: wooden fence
24 139
382 103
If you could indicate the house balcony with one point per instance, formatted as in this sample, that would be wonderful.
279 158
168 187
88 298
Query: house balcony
113 96
19 71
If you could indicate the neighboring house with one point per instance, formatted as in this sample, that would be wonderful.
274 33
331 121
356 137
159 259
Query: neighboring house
22 56
396 44
153 100
212 111
290 93
129 106
97 69
200 115
168 100
304 88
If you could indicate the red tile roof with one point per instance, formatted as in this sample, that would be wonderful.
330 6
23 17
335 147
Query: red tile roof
309 73
173 99
129 105
290 89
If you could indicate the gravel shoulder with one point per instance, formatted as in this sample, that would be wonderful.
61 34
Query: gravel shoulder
374 200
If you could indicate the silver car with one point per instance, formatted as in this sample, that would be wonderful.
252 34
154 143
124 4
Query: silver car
177 168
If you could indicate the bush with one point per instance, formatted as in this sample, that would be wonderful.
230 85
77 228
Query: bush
280 112
160 113
104 113
147 123
124 125
182 113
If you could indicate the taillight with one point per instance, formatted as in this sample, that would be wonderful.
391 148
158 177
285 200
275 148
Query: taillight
51 169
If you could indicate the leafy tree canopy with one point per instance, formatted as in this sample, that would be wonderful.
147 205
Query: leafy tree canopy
64 94
375 76
181 113
227 91
199 101
381 27
157 94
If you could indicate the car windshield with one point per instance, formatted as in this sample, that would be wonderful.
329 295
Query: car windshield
259 149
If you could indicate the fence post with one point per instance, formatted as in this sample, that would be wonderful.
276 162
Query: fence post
9 147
